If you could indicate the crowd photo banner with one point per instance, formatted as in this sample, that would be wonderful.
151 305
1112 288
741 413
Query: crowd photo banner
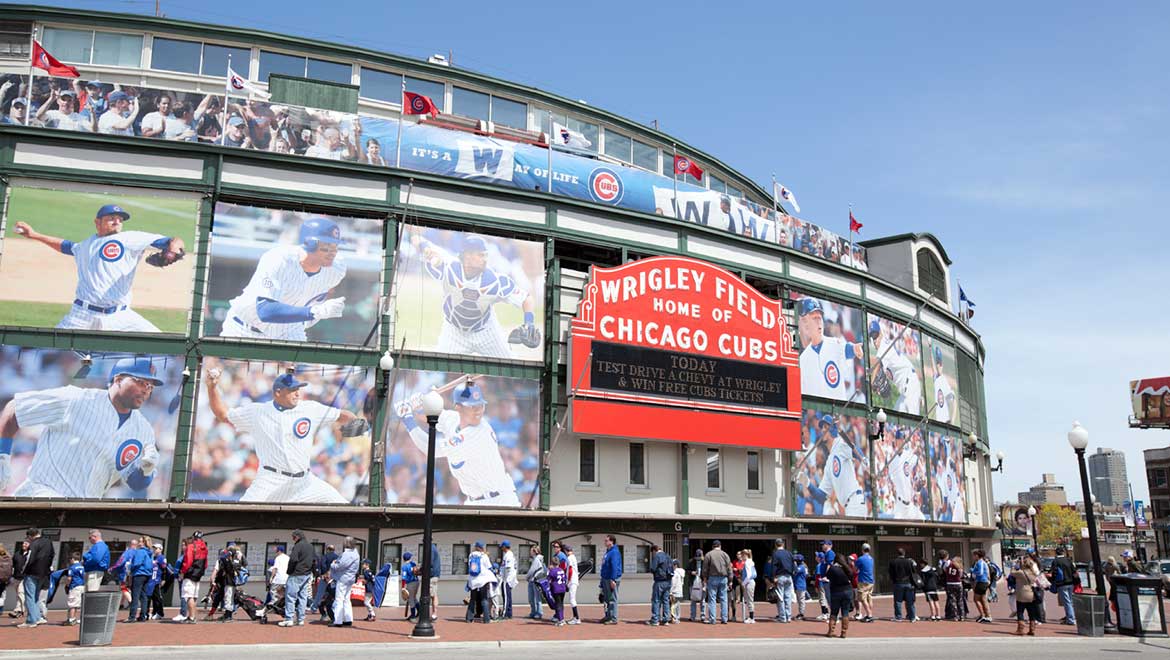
942 381
103 258
947 486
832 477
460 293
900 474
895 366
293 276
832 355
282 432
95 426
487 440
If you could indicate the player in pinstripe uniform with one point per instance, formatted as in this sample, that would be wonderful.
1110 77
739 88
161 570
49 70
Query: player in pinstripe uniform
92 438
106 265
470 291
289 292
283 431
839 488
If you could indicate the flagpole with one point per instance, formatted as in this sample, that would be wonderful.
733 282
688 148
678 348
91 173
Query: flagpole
227 91
550 151
401 118
32 40
851 231
674 177
775 210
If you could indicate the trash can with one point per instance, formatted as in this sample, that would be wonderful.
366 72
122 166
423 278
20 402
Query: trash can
1090 613
99 613
1139 605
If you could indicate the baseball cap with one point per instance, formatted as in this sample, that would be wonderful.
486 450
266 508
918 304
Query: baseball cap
469 395
810 305
198 534
1127 554
94 83
118 95
898 434
113 209
22 101
136 367
938 354
280 548
66 92
287 382
407 555
566 547
474 243
158 546
875 328
479 544
826 542
864 547
505 543
235 120
798 557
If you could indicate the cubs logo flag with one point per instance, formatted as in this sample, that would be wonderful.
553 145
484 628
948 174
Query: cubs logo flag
565 137
237 84
684 165
854 225
782 193
417 104
41 59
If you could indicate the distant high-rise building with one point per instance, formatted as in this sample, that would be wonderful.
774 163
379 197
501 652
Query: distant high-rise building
1107 477
1045 492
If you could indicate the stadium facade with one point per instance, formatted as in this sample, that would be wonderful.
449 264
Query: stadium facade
543 188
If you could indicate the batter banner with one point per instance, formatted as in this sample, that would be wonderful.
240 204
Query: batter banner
487 440
293 276
832 356
469 294
96 426
282 433
900 474
832 473
97 258
942 381
948 488
1015 520
673 348
895 366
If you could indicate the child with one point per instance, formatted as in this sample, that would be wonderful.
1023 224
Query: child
676 590
410 583
930 589
497 603
76 576
800 584
747 578
559 584
368 581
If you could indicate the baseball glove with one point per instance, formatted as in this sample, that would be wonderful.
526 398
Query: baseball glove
164 258
526 334
355 427
881 383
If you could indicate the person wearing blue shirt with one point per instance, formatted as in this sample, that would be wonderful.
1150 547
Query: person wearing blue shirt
783 568
800 584
141 568
864 565
95 561
154 586
611 579
322 570
981 576
76 577
411 583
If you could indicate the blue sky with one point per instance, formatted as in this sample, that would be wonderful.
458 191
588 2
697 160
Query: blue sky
1031 138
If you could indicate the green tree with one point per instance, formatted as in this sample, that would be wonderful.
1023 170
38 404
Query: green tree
1053 522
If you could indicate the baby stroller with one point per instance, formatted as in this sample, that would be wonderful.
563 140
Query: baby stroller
277 606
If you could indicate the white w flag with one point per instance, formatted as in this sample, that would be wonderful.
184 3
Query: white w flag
782 193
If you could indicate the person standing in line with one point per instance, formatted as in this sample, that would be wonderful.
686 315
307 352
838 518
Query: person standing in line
981 576
300 575
996 575
902 577
96 561
154 587
510 579
367 576
436 572
800 585
676 590
734 586
662 571
322 570
536 572
822 585
1025 580
75 582
784 573
5 575
865 579
558 584
191 570
277 580
140 570
479 581
410 585
716 568
956 608
930 580
37 568
1064 580
574 582
695 586
343 571
748 580
840 579
19 561
611 579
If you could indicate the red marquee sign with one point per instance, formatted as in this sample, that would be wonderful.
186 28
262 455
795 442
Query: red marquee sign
672 348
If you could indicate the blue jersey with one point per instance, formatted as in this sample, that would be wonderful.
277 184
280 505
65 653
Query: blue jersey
800 578
468 301
76 575
408 575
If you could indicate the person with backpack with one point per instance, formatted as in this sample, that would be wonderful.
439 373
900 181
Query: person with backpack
996 575
981 576
902 571
662 570
1064 579
191 572
231 572
930 581
479 581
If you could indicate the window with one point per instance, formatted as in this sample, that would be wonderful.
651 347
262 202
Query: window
15 37
330 71
493 551
215 60
507 112
587 472
753 471
931 277
646 156
588 551
733 191
718 184
176 55
459 554
288 65
90 47
590 131
642 565
469 103
523 557
391 552
618 146
1158 478
713 465
429 88
637 464
381 85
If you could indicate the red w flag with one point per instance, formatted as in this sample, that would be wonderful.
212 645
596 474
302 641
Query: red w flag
684 165
854 225
417 104
41 59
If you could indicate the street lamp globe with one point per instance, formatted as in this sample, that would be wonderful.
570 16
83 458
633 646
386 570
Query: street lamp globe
1032 511
432 404
881 416
1078 437
1000 455
386 362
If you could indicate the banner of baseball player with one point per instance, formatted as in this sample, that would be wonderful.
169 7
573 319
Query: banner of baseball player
469 294
895 366
293 276
97 258
900 474
832 357
1015 520
94 106
1150 398
87 426
948 489
487 442
942 381
832 473
282 433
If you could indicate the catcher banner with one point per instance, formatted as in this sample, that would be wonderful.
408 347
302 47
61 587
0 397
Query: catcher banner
101 428
98 258
673 348
948 489
469 294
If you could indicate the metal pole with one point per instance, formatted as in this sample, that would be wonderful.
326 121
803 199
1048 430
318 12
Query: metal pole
1035 540
1094 548
398 140
425 626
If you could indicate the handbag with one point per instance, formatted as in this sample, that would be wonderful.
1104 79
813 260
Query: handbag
696 592
774 595
917 581
968 583
358 591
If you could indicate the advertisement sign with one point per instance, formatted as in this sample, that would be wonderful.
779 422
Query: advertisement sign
895 366
487 440
832 473
97 258
832 357
947 487
469 294
1015 520
293 276
1151 399
1139 508
88 426
1127 513
282 433
942 381
673 348
900 472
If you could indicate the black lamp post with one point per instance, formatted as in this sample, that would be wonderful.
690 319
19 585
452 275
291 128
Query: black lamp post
432 405
1035 541
880 418
1078 437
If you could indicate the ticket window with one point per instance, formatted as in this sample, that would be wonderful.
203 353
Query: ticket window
392 554
66 551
